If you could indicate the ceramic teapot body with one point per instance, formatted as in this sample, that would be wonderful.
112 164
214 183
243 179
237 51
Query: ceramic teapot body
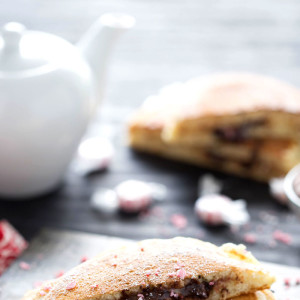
48 93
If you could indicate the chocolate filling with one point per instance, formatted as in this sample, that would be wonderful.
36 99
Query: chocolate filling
193 289
220 159
238 133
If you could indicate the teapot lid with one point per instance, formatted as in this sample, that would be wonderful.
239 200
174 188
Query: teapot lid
24 50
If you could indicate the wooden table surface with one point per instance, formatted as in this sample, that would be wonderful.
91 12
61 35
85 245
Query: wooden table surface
173 40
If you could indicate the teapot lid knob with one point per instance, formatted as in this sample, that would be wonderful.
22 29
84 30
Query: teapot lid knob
12 33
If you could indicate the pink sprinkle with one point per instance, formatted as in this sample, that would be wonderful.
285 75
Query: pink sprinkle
37 284
282 237
43 293
211 283
287 281
148 274
141 297
250 238
71 285
172 294
83 259
59 273
142 249
179 221
47 288
94 286
115 256
114 264
143 283
24 266
181 274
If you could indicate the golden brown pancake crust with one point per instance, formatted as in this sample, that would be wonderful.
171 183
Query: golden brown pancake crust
159 263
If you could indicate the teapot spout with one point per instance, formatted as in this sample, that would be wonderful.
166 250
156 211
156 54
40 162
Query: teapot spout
96 45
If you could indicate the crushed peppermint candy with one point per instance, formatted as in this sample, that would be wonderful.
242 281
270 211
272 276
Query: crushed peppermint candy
59 274
133 196
282 237
71 285
24 265
179 221
250 238
287 281
83 259
94 286
141 297
12 244
217 209
181 274
47 288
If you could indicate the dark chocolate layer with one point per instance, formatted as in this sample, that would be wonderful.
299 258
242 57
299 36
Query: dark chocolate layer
238 133
193 289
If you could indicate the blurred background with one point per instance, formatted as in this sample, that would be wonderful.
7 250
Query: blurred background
176 40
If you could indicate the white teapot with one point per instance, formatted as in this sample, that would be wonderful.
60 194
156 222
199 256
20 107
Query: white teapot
49 89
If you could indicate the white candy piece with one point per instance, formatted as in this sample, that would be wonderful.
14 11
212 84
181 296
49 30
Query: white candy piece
208 184
93 154
215 209
134 196
131 196
276 186
104 200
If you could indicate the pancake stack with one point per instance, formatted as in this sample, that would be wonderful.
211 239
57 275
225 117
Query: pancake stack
240 123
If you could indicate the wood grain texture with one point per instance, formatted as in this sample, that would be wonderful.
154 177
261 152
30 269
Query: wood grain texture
173 40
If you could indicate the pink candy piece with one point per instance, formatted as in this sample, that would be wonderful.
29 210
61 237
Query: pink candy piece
133 196
250 238
209 208
282 237
83 259
59 274
12 244
71 285
181 274
93 154
179 221
24 265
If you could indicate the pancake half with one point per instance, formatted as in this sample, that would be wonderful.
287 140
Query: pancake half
257 159
179 268
233 107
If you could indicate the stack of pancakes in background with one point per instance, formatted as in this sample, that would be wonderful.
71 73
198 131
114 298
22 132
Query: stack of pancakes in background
240 123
